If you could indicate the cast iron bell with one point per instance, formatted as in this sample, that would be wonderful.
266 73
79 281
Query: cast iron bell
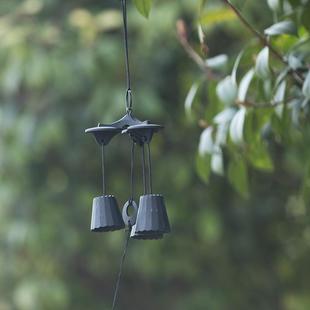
152 216
106 215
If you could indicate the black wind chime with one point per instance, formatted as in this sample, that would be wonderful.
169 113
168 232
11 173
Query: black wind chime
149 220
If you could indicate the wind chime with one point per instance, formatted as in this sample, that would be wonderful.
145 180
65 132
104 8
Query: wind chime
149 219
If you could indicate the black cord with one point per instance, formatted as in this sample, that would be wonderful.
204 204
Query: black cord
128 92
121 269
150 168
103 170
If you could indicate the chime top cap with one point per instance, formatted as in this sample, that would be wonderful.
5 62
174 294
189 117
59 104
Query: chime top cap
152 127
103 134
143 133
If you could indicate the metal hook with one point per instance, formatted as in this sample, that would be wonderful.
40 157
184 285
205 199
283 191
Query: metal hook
128 100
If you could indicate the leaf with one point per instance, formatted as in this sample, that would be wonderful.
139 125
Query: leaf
225 116
245 84
238 176
143 6
262 64
305 18
217 162
227 90
203 167
284 27
306 86
215 16
221 134
280 93
217 62
294 62
190 97
237 126
274 4
206 144
259 156
236 65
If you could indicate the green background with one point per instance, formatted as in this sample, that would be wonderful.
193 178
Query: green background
61 71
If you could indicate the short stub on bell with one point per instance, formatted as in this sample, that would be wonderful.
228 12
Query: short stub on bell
103 134
106 215
129 214
143 133
152 218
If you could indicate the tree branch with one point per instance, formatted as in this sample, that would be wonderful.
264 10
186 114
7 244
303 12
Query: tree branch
298 78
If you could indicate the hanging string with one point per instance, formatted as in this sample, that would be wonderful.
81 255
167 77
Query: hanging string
150 168
121 269
128 92
143 170
103 170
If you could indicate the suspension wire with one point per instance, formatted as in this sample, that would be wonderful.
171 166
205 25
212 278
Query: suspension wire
143 170
116 290
128 92
103 170
132 171
150 168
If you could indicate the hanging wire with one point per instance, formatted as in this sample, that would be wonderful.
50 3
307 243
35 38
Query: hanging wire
143 169
128 92
150 168
119 277
103 170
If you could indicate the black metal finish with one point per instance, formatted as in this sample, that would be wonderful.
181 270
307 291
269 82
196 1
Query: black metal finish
106 215
145 235
128 219
152 216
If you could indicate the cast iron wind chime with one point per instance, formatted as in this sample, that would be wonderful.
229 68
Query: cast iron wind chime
149 220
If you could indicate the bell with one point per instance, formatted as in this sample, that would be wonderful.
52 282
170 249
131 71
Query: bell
152 219
106 215
145 235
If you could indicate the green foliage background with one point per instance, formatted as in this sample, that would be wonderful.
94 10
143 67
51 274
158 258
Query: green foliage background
241 244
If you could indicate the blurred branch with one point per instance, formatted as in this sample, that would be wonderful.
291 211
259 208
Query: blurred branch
183 38
298 78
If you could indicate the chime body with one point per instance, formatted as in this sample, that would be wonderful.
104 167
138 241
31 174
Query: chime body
149 220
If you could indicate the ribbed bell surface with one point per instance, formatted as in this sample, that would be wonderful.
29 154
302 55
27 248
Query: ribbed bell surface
152 218
106 215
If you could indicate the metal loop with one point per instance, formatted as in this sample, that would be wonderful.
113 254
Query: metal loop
128 100
130 220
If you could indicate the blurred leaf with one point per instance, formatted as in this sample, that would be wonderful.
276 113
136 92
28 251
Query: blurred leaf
143 6
294 62
217 62
280 93
236 126
225 116
190 97
217 162
227 90
262 64
274 4
245 84
238 176
306 86
236 65
218 15
284 27
305 17
203 167
259 156
206 144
